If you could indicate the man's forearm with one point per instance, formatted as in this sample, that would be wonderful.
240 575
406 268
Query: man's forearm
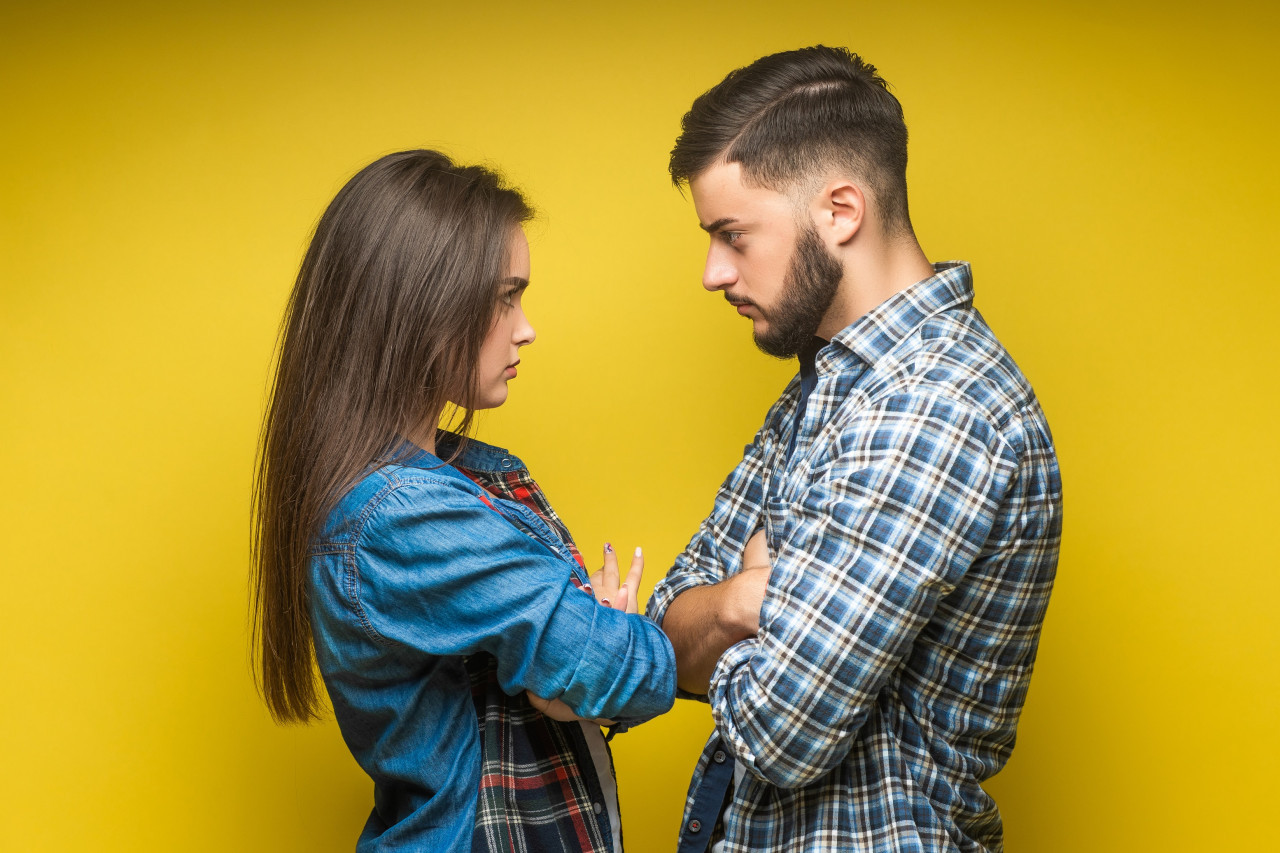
704 621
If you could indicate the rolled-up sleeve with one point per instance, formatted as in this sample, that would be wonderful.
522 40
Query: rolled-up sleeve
439 571
862 558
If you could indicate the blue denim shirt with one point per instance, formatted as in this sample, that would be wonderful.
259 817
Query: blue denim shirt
417 567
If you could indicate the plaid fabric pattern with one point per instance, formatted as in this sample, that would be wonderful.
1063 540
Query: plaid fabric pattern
914 536
538 785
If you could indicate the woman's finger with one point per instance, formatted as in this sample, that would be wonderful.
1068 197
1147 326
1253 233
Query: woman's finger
622 599
636 572
553 708
609 574
632 584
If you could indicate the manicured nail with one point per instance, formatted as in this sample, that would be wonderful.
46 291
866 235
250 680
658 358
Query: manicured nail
608 548
605 602
639 553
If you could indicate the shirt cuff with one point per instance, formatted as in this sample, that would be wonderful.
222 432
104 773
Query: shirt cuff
718 694
667 590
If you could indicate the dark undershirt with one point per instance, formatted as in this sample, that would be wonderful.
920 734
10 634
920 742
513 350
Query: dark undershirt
808 381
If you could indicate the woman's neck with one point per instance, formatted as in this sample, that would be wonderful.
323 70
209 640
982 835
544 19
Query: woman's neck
425 435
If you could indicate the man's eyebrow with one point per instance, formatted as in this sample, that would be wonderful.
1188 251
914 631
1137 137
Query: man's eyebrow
717 225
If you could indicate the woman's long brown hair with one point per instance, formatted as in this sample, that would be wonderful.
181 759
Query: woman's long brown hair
393 300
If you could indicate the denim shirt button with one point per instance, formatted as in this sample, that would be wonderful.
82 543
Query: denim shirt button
597 808
506 463
719 757
695 825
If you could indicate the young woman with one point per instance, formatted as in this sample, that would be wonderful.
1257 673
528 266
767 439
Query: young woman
424 571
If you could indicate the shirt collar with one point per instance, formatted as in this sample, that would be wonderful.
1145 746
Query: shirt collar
878 331
475 456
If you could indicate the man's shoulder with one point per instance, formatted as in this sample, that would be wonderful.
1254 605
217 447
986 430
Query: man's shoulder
954 355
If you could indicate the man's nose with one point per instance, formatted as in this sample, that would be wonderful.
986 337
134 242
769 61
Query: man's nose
718 273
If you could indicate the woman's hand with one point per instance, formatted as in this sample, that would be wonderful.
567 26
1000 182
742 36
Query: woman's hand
553 708
610 593
557 710
625 596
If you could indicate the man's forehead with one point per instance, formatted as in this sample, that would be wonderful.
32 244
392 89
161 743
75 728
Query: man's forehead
717 179
721 197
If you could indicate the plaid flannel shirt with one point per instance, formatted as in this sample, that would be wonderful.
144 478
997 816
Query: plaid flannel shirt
538 786
914 537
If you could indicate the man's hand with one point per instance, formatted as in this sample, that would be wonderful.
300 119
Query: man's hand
704 621
756 552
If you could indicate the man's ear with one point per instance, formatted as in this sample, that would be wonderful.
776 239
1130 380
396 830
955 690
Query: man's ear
841 211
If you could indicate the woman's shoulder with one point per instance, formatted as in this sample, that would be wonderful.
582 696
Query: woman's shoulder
395 486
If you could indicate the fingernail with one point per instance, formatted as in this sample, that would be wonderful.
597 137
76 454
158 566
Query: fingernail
639 553
605 602
608 548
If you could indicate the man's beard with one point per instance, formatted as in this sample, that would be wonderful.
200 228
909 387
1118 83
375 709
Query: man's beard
808 289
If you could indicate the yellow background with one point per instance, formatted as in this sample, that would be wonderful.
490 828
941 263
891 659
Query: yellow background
1109 169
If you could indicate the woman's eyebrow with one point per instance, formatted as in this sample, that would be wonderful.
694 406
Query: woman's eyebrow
515 282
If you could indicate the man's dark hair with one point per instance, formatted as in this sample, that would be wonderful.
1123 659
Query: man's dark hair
790 117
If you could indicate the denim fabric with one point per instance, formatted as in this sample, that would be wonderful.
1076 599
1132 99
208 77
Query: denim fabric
418 568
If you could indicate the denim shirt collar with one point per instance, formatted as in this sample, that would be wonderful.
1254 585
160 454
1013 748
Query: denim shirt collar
475 455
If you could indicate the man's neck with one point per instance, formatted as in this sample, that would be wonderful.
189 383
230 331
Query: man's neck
871 276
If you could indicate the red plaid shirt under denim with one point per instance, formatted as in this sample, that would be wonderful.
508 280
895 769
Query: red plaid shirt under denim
538 785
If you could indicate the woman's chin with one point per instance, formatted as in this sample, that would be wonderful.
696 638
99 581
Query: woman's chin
493 400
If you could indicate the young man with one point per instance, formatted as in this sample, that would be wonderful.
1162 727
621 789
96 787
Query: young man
862 606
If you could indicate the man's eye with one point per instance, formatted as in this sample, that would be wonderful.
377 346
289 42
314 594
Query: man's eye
730 237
